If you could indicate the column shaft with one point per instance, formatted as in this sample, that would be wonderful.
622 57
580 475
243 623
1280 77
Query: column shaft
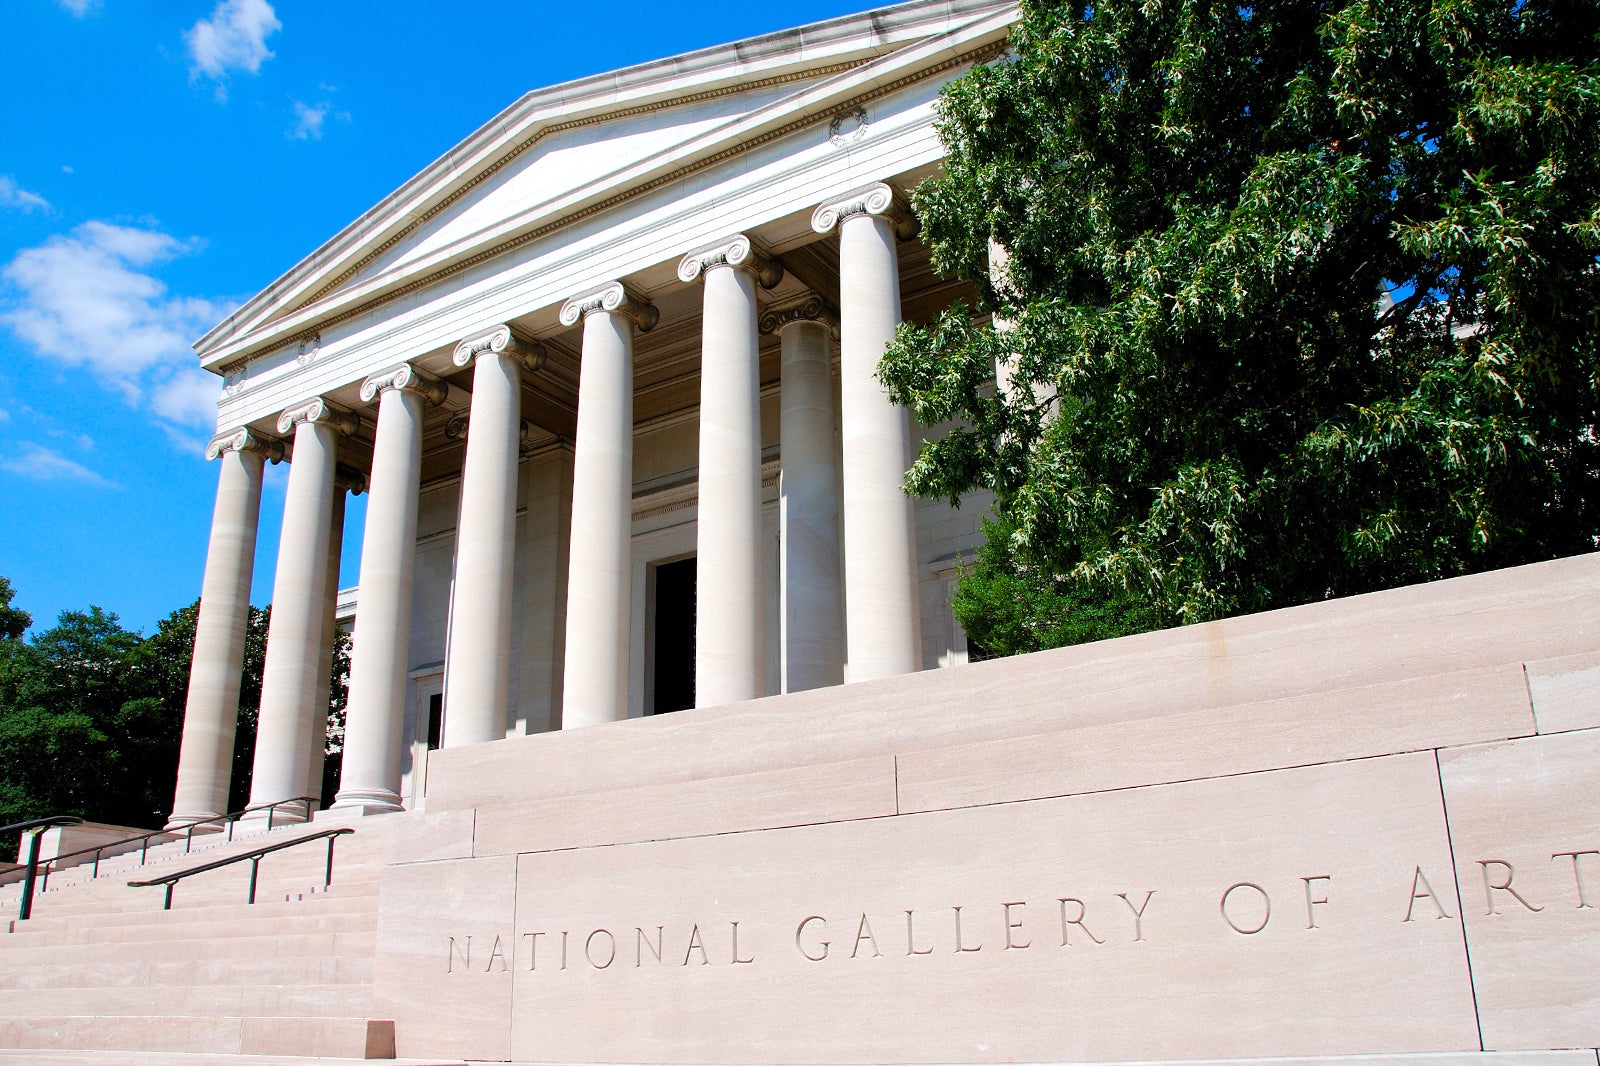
599 571
205 760
813 647
729 641
293 667
317 720
374 717
882 617
478 660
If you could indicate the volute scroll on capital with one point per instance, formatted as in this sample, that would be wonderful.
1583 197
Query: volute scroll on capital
320 410
807 307
615 298
879 198
501 340
244 440
737 251
406 377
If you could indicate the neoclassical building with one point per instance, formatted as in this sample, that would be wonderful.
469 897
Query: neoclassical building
606 372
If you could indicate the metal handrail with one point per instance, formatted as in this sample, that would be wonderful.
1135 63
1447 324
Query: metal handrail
254 856
188 844
35 827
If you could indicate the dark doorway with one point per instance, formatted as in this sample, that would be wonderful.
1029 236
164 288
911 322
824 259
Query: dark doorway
673 650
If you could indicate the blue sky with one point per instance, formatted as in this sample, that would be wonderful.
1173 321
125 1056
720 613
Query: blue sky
163 160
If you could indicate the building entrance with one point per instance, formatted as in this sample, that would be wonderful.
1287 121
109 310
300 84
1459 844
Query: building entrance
672 636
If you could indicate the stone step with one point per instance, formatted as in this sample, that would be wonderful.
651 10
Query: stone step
322 901
316 966
276 946
357 1038
169 925
258 1000
170 1058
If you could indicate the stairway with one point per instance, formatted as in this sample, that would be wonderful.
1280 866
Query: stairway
101 970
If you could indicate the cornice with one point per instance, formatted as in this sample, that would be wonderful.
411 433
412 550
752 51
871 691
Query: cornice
807 307
501 340
406 378
878 200
614 298
244 439
738 252
319 410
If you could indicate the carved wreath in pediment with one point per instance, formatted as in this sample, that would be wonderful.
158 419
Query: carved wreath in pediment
847 127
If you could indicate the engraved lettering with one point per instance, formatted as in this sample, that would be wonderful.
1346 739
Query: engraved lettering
864 932
1013 925
736 958
1078 921
1577 873
823 943
1266 908
465 953
496 952
1420 880
959 946
640 941
1138 912
1312 902
696 944
533 949
1490 888
611 949
911 939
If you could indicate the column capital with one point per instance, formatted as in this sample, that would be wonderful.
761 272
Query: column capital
737 251
405 377
350 479
615 298
318 409
878 199
504 340
245 440
807 307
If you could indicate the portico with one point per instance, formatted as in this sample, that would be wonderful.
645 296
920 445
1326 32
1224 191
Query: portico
632 320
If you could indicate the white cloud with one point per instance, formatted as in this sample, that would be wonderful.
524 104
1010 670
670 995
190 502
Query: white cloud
80 8
86 299
233 38
39 463
308 121
14 195
65 169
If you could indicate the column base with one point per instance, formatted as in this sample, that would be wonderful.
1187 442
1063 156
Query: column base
367 801
179 823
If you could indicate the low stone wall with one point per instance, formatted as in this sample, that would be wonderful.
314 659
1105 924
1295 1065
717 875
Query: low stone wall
1364 827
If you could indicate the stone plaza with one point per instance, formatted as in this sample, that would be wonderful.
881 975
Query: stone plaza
605 371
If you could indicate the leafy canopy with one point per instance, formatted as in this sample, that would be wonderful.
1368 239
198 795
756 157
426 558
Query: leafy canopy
1302 301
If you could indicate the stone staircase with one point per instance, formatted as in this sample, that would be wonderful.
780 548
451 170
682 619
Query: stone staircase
102 974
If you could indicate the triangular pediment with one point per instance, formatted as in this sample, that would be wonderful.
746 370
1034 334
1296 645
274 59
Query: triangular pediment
562 152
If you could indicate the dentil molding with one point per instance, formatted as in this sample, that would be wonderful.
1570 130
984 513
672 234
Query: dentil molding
878 199
737 251
501 340
405 377
807 307
615 298
319 410
242 440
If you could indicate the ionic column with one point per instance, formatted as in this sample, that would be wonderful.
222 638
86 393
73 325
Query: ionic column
882 623
477 673
808 501
730 649
205 761
595 679
375 714
294 667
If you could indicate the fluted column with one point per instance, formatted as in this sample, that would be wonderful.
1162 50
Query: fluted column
205 761
595 679
294 669
882 619
808 496
730 648
375 714
477 673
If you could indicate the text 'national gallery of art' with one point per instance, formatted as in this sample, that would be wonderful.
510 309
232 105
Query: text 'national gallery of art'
606 373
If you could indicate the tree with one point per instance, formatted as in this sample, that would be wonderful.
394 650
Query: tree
1302 301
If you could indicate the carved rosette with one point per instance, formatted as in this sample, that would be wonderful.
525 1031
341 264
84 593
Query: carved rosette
877 199
614 298
243 440
807 307
319 410
736 251
405 376
502 340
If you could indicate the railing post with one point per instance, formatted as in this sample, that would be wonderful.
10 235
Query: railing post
272 808
255 865
327 878
144 850
166 904
25 909
44 882
95 872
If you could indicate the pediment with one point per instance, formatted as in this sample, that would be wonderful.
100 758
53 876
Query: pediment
561 152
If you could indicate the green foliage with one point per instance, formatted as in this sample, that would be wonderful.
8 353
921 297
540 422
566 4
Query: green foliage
1302 301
